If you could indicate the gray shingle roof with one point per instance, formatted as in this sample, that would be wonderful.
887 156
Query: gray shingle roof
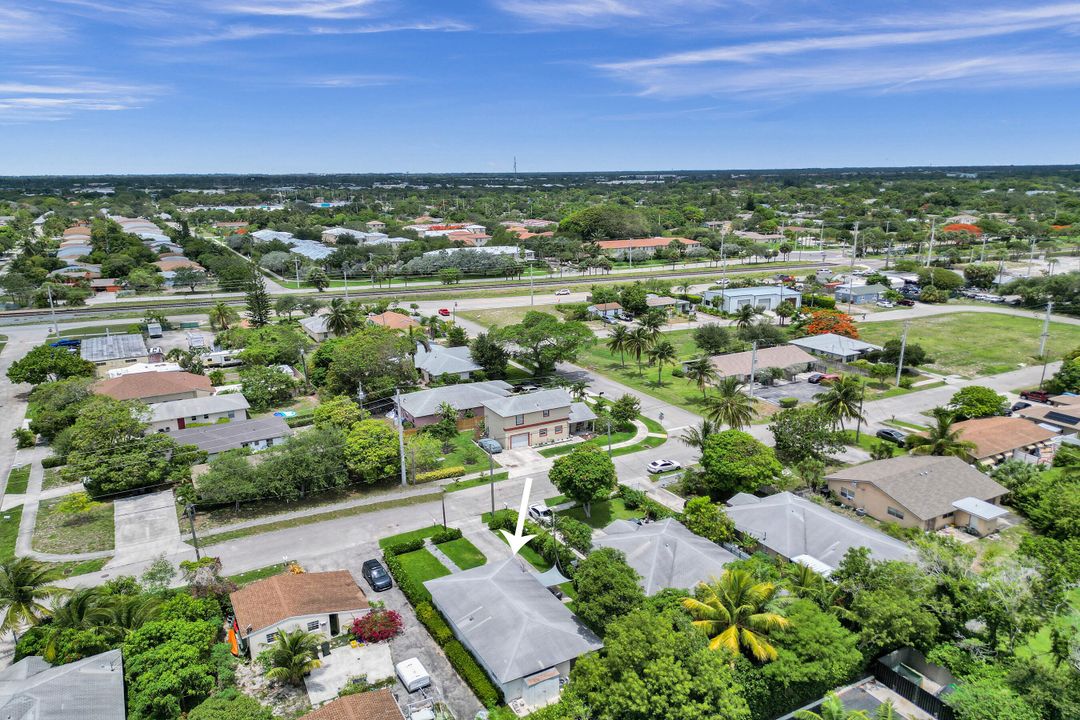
89 689
530 402
926 485
159 412
315 324
580 412
512 623
834 344
113 347
857 290
460 397
665 554
791 526
440 360
220 437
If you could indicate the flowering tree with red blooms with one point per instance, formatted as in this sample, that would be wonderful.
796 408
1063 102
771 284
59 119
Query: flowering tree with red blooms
831 321
376 626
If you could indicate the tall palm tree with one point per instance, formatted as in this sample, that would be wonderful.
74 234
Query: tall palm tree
638 343
843 400
341 319
578 389
222 316
652 322
24 585
662 353
124 614
701 372
746 316
802 580
832 709
616 342
733 613
293 655
695 436
941 438
730 405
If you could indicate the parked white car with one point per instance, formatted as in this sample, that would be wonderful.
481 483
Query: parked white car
663 466
540 513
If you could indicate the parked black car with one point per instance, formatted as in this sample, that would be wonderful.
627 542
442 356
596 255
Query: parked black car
894 436
376 576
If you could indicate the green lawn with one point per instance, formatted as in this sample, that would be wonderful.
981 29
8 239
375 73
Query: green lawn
1038 645
88 531
18 479
530 555
9 531
112 329
246 578
502 317
424 532
464 447
421 566
1004 342
604 512
868 442
464 554
475 482
557 500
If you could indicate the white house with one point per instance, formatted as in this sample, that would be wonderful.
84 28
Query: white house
763 297
179 414
514 252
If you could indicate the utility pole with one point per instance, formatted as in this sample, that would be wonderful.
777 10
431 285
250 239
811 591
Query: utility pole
723 269
1031 257
345 274
52 310
851 271
532 300
296 264
858 426
400 435
442 497
190 512
930 249
753 367
1042 342
903 346
609 436
491 480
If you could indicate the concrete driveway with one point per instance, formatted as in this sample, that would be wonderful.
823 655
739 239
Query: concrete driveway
345 663
146 526
805 392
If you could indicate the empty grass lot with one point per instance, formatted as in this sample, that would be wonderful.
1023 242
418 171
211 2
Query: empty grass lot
464 448
87 531
603 513
17 480
464 554
421 566
501 317
973 344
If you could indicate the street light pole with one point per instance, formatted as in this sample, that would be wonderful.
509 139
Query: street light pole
491 481
903 346
1042 342
401 435
190 512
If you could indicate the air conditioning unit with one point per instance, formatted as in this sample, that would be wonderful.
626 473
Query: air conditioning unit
861 512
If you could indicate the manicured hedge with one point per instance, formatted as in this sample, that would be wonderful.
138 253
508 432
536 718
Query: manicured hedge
471 672
788 402
414 591
299 421
433 621
447 472
53 461
445 535
406 546
637 500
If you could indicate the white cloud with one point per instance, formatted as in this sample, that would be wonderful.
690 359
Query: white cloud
598 13
346 81
317 9
53 94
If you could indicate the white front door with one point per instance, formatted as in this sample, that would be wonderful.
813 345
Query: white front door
519 441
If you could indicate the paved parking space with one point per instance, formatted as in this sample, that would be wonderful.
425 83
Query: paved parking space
146 526
804 391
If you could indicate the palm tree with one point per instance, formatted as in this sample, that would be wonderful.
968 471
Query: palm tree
617 342
695 436
341 319
802 580
785 310
651 322
662 353
124 614
843 400
638 343
745 316
733 614
941 438
293 655
24 584
221 316
701 372
578 389
683 287
832 709
730 406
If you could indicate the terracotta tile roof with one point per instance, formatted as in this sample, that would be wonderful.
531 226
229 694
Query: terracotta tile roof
608 306
268 602
374 705
996 435
166 265
136 386
393 320
652 242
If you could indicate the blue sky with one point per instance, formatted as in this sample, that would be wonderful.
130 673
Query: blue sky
94 86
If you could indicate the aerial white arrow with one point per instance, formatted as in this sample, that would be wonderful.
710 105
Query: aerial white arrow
517 540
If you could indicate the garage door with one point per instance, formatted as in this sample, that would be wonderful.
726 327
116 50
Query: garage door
519 441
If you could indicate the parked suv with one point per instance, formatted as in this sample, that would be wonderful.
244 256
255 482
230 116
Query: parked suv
1040 396
540 513
894 436
376 576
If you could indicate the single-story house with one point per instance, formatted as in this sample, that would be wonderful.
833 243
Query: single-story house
434 361
792 360
155 387
801 531
91 688
371 705
523 637
114 351
762 297
642 247
859 294
511 251
605 310
998 439
665 554
536 418
393 320
376 225
666 303
422 408
178 414
175 264
255 435
834 347
319 602
106 285
925 492
134 369
1063 419
315 327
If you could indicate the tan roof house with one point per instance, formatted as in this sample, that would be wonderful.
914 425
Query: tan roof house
155 387
1063 419
790 359
373 705
998 439
393 320
323 602
922 491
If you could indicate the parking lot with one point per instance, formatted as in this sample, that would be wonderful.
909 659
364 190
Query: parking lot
804 391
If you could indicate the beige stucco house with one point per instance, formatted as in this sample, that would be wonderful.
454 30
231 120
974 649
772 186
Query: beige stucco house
537 418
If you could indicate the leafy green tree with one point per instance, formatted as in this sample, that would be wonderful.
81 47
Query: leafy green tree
293 655
732 611
308 462
456 336
662 354
47 363
586 474
597 222
286 305
266 387
317 278
942 438
702 516
57 405
654 667
980 275
625 410
423 451
804 433
371 451
257 297
882 372
889 619
634 298
730 405
914 354
370 359
976 401
231 478
735 461
713 339
939 278
607 588
547 340
882 450
843 400
189 277
450 275
341 412
25 588
702 373
989 699
487 352
230 704
1065 380
167 666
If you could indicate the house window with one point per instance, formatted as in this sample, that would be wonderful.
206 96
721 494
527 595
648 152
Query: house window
194 418
543 432
558 429
895 513
206 417
313 625
847 494
271 637
547 413
948 514
519 419
232 414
